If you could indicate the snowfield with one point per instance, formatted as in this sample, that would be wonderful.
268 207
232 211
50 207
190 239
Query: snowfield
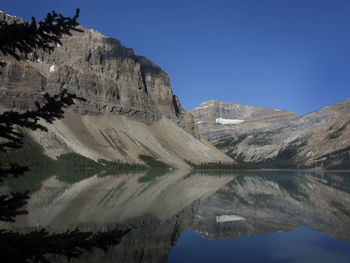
228 121
228 218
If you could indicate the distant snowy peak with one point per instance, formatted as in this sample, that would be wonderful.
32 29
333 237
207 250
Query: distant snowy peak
228 121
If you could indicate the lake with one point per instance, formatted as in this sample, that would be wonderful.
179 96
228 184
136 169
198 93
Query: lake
183 216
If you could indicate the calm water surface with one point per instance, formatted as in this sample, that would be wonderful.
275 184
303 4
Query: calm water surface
256 216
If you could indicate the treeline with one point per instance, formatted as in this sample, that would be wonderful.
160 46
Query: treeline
238 165
153 163
32 156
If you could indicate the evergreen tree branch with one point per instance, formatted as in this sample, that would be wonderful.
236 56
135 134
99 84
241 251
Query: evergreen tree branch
35 246
14 169
11 206
18 38
50 111
15 40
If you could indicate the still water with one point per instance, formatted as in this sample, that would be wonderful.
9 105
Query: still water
251 216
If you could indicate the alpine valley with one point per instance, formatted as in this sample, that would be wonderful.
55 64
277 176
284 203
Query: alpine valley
130 110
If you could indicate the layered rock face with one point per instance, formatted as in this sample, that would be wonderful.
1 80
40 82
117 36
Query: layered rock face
111 77
115 82
277 138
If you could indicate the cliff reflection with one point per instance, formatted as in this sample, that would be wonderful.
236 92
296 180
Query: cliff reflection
279 201
160 208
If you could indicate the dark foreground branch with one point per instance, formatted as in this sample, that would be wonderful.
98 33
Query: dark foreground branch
53 109
12 206
39 245
23 37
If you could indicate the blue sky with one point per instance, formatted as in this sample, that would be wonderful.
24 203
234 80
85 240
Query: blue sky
285 54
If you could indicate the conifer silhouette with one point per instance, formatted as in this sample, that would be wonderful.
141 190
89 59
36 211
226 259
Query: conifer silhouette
16 40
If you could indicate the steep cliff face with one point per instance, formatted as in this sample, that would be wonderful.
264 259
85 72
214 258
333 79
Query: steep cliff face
111 77
278 138
116 84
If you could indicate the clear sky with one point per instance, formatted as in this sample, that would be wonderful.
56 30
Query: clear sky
284 54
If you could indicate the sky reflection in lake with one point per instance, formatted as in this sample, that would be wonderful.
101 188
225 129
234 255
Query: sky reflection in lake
302 245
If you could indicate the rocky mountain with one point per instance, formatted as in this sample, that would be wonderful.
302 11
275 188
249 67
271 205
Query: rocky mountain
276 138
129 110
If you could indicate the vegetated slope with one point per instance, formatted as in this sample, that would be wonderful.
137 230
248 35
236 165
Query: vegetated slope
129 109
279 139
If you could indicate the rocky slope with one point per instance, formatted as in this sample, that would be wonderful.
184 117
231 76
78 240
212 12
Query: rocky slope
277 138
129 109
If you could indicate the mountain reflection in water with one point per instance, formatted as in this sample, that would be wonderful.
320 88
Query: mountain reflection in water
200 207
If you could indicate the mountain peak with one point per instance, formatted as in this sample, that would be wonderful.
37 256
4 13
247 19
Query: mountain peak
213 109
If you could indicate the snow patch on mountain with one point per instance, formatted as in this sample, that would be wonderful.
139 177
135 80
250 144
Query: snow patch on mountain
52 68
228 218
228 121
